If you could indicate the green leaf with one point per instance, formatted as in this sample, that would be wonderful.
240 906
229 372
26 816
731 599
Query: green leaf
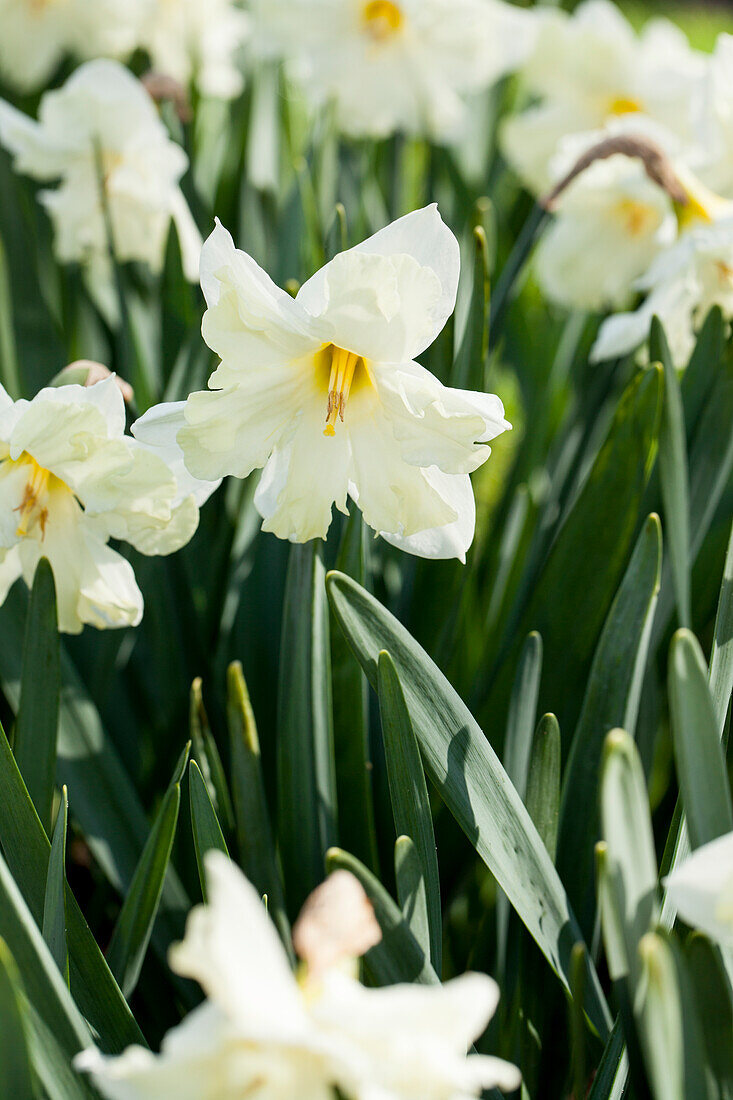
543 784
522 717
36 729
43 984
412 891
611 701
16 1078
206 753
578 1044
470 365
207 832
8 355
306 793
469 777
27 850
55 1074
673 473
570 601
398 957
627 831
700 761
712 992
351 716
54 906
134 925
699 375
721 657
660 1020
609 1082
254 834
409 793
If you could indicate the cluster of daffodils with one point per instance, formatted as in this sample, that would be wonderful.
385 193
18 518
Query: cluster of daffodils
269 1033
100 139
390 65
619 230
71 480
191 42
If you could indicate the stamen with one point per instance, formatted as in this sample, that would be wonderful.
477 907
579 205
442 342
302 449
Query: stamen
30 507
382 19
343 366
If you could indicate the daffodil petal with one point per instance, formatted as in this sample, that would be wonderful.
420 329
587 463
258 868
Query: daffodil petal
701 889
452 540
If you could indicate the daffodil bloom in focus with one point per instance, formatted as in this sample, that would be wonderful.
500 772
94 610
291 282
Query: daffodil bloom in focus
323 391
267 1033
701 889
196 42
102 130
589 68
36 35
70 479
395 65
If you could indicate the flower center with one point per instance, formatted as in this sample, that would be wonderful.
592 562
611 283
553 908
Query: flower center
33 507
637 217
344 365
382 19
622 105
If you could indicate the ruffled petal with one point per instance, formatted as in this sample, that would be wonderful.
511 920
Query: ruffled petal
701 889
388 298
452 540
157 430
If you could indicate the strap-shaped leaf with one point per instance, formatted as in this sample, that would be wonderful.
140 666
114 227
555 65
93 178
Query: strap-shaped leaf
16 1077
36 728
306 781
409 793
673 473
543 784
721 657
254 833
466 771
398 957
207 832
206 753
660 1019
470 364
27 849
700 762
42 982
611 701
134 925
54 905
412 891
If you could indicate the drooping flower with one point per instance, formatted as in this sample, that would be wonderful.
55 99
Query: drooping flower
701 889
70 480
263 1032
195 42
36 35
395 65
682 284
324 393
101 130
609 225
589 68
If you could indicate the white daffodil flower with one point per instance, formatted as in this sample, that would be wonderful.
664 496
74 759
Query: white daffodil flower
265 1032
713 162
610 224
70 480
701 889
324 393
395 65
682 285
101 129
195 42
589 68
35 36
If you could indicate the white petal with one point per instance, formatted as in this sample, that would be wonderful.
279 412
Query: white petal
232 950
25 139
304 478
701 889
437 425
453 540
157 429
234 431
250 323
10 569
388 298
